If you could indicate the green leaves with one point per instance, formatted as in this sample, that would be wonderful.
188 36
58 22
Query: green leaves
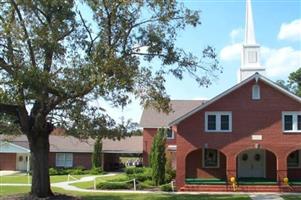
56 60
157 157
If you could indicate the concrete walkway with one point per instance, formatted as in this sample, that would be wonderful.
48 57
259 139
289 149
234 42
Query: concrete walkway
265 197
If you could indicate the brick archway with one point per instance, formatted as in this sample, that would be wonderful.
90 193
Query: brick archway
293 160
195 167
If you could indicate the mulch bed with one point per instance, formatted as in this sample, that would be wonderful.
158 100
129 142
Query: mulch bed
29 197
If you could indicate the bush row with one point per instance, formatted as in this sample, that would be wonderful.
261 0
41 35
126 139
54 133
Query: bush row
74 171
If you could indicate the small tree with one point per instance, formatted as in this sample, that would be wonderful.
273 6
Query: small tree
157 157
97 153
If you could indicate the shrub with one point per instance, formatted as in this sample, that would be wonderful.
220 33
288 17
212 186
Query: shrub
114 185
77 171
135 170
95 171
53 171
157 157
170 175
166 188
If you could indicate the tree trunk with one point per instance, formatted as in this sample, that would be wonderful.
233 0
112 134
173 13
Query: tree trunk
39 147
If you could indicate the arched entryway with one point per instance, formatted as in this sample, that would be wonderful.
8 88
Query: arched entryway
294 165
256 164
206 163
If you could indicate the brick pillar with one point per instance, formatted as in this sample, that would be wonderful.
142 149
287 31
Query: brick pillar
181 170
231 167
281 168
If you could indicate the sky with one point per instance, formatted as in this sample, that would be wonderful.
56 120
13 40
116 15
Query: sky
277 29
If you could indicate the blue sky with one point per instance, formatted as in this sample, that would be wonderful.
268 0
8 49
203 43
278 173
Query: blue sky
278 31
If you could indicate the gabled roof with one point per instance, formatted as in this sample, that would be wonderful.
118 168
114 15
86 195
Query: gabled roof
131 145
256 76
151 118
7 147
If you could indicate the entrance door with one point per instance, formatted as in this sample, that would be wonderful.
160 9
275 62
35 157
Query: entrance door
21 162
251 164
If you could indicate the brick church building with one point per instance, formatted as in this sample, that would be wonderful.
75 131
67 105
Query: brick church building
251 132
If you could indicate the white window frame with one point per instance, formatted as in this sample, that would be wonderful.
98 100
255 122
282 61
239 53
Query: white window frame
172 135
218 121
295 121
65 164
203 159
296 167
256 92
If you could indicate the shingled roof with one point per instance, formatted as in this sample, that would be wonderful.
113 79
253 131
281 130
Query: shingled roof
71 144
151 118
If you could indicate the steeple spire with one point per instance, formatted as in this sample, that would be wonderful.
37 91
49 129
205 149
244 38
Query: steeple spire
249 29
250 56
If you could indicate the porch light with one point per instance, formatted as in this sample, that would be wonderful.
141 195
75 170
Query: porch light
257 146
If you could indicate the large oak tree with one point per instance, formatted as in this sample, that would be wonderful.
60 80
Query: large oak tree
55 62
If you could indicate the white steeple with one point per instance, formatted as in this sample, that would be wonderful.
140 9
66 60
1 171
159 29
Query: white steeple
250 56
249 27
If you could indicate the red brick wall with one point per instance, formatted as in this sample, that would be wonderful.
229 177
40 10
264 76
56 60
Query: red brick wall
7 161
194 167
271 165
83 160
249 117
79 160
148 135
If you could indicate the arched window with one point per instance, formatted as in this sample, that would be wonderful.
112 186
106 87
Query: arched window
256 92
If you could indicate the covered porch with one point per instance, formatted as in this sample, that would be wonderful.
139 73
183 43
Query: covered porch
14 157
251 168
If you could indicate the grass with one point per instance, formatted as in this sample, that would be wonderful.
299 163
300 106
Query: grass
291 197
10 190
90 184
23 178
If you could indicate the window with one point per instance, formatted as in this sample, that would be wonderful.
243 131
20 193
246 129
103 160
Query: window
293 160
252 57
170 134
210 158
291 121
211 122
218 121
255 92
64 160
225 122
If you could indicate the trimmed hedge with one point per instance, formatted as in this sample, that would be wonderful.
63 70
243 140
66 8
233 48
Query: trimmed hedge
166 188
114 185
74 171
135 170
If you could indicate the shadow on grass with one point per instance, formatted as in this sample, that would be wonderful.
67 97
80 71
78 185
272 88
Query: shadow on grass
163 197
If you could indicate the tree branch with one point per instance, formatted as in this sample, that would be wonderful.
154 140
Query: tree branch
30 48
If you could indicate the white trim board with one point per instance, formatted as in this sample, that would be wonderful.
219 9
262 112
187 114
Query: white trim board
256 76
7 147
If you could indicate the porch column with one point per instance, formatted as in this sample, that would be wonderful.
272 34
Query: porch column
231 166
181 170
281 168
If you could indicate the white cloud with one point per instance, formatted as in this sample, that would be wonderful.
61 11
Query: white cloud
278 62
231 52
281 62
290 31
236 35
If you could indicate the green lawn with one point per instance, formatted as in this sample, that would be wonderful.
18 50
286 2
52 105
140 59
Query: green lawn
90 184
292 197
22 178
10 190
